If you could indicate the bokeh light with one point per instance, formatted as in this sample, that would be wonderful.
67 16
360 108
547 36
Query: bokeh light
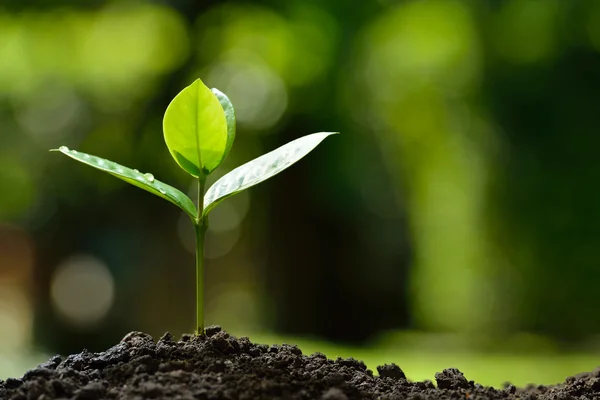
82 290
259 94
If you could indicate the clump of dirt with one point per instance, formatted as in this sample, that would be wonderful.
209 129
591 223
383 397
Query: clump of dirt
220 366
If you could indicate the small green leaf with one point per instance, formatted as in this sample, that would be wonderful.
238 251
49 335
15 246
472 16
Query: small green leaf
229 117
136 178
261 169
195 129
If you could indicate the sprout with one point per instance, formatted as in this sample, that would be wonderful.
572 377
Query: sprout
199 130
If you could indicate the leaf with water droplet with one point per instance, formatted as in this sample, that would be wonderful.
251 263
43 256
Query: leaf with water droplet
132 176
195 129
261 169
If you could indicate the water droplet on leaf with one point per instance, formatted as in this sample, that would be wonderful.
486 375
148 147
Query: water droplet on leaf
162 191
63 148
150 177
136 171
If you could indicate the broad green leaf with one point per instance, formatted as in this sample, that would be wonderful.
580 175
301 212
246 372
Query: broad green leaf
261 169
229 117
136 178
195 129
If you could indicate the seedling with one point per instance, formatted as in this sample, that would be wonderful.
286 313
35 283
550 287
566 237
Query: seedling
199 129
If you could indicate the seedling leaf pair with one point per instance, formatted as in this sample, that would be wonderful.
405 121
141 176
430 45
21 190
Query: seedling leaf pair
199 130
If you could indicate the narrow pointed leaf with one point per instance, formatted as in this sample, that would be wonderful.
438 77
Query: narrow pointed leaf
143 181
195 129
261 169
229 117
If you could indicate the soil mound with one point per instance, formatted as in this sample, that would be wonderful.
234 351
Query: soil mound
220 366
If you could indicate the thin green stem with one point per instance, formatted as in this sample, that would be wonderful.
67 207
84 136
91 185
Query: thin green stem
200 227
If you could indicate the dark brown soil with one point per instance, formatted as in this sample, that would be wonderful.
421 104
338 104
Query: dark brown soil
219 366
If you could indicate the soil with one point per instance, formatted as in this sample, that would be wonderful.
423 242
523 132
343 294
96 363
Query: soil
220 366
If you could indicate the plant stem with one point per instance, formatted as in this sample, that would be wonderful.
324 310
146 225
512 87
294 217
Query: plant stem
200 227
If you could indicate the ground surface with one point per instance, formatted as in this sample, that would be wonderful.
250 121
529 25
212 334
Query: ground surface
220 366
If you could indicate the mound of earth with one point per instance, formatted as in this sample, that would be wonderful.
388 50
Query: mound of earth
220 366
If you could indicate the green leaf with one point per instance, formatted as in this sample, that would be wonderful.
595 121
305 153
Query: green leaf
136 178
261 169
229 117
195 129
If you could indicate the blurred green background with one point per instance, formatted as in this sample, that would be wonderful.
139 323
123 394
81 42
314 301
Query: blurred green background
454 223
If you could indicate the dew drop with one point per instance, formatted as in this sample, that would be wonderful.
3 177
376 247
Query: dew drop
149 176
136 171
74 151
162 191
63 148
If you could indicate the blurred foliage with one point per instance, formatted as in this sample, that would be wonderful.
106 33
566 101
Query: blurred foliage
461 196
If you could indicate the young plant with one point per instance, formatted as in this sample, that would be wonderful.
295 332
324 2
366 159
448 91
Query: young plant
199 129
